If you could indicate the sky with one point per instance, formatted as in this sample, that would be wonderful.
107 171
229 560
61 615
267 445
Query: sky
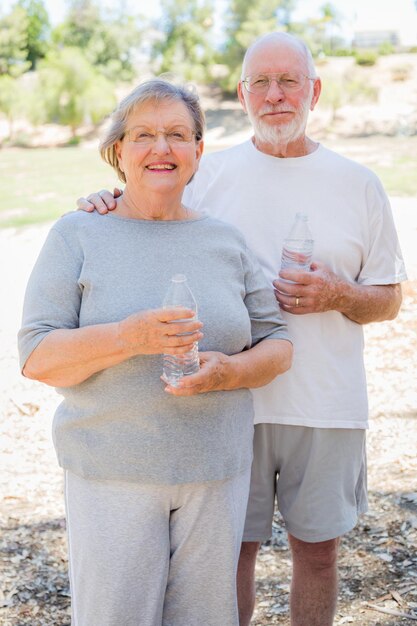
400 15
364 14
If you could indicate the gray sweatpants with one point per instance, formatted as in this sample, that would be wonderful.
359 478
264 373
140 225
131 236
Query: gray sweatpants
152 555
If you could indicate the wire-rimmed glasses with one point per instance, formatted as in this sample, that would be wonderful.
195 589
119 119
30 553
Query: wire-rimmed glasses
287 81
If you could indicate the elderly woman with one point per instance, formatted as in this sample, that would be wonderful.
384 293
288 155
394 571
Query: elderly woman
156 477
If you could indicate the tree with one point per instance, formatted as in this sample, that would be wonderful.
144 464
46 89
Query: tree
320 32
186 48
247 21
79 25
13 43
11 100
111 48
73 91
18 102
284 14
106 43
38 30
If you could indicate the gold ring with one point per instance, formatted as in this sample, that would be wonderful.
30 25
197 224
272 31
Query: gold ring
297 300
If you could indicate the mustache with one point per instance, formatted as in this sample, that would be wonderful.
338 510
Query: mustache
277 109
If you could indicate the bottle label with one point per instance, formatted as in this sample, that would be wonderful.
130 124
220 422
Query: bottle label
297 254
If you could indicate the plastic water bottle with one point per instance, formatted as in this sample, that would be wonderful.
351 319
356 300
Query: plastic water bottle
297 249
175 366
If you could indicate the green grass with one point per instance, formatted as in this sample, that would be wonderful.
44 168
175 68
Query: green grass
39 185
393 159
401 178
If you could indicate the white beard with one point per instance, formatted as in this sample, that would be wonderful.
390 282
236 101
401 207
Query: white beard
281 133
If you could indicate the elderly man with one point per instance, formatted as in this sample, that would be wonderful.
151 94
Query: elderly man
309 448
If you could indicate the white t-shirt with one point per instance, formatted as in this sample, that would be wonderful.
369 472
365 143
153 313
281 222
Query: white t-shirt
354 235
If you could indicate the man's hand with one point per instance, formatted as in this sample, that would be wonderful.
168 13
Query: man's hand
322 290
310 292
102 201
159 331
212 376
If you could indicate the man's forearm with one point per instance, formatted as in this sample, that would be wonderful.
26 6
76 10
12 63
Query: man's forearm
321 290
369 303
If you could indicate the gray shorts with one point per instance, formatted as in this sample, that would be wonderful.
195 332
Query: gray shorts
317 475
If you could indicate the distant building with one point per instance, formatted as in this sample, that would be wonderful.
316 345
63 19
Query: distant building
375 38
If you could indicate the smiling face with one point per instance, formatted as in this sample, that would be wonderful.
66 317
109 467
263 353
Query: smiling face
161 166
278 116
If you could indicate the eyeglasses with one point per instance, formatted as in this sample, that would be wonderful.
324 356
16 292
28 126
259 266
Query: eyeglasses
288 81
177 136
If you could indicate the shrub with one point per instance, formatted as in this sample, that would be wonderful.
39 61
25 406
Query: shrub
386 48
342 52
366 58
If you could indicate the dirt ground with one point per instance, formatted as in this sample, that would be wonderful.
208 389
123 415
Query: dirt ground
378 559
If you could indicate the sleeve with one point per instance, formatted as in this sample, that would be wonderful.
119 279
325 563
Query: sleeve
384 263
266 319
53 294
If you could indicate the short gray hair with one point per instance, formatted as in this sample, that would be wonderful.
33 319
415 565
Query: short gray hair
155 90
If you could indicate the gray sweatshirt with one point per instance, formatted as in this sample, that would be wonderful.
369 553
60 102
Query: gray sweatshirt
119 423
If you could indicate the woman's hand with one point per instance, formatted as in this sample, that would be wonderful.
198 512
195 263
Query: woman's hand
212 376
160 331
248 369
69 356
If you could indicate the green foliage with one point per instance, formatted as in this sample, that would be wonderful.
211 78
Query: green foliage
342 52
38 30
366 58
8 87
14 42
284 12
107 44
386 48
73 91
11 100
247 21
18 100
79 25
111 46
320 33
185 47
